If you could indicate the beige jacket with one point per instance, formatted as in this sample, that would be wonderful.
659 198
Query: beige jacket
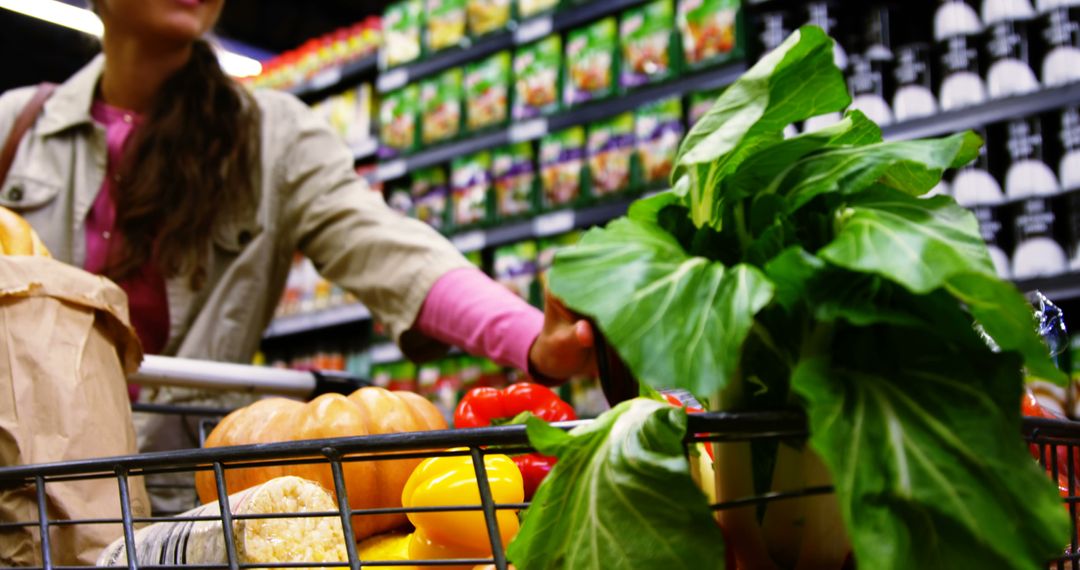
311 201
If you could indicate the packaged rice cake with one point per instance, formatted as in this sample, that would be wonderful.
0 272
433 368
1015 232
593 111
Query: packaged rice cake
306 539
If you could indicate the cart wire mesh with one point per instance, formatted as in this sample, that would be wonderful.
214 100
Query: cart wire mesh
1053 439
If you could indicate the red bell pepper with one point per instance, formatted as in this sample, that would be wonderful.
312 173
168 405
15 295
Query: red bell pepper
675 401
483 406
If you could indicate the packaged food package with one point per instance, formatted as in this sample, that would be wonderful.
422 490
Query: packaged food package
486 16
402 24
562 157
471 183
548 247
440 106
527 8
514 171
590 62
700 103
445 23
67 347
611 151
349 114
430 191
515 268
487 91
659 129
536 78
301 539
648 43
397 119
709 30
401 200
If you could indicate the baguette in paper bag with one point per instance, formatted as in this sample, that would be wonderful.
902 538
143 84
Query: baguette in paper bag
66 347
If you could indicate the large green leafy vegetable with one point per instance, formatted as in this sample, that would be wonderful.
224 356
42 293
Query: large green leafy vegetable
625 482
812 272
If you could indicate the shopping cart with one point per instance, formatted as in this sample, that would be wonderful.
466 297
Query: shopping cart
1050 435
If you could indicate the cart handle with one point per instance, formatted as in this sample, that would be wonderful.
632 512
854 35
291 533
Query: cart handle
204 374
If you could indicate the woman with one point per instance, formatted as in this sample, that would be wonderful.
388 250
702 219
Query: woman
152 167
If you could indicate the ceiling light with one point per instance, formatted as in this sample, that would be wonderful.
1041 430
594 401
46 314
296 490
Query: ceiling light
58 13
87 22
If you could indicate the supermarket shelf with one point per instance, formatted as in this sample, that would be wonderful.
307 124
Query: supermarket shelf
1057 288
365 150
994 111
543 225
516 34
386 353
333 78
309 322
536 128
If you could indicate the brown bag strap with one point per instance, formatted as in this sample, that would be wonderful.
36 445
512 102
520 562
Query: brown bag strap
23 123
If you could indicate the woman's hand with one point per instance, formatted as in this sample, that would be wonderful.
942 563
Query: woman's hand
564 348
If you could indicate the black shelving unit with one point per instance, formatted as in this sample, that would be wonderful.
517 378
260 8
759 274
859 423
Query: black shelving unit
323 319
1057 288
536 128
334 79
517 33
998 110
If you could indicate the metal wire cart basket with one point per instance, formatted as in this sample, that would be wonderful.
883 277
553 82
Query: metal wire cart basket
1055 439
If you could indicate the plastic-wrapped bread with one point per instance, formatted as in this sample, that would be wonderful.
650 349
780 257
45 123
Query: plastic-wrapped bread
304 539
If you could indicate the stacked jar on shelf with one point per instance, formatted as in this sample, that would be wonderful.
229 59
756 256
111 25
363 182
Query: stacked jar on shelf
1022 188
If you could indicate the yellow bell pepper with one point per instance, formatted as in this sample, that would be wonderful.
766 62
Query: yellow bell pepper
451 481
388 547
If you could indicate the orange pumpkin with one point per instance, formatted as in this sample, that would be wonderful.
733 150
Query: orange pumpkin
368 411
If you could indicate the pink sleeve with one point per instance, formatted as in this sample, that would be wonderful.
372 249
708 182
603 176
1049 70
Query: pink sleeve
466 308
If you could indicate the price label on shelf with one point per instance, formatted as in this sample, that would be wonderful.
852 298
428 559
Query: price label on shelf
384 353
532 30
391 170
553 223
393 79
326 78
470 241
529 130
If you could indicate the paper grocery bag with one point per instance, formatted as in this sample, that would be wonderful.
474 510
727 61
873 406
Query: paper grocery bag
65 348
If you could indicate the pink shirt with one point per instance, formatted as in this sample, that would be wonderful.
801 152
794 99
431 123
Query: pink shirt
464 308
147 300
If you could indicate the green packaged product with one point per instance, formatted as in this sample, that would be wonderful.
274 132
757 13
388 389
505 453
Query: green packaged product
487 91
526 8
400 200
548 247
709 30
536 78
648 42
610 149
486 16
430 195
562 157
515 268
659 129
445 23
476 258
402 26
471 181
514 171
590 62
440 106
700 103
397 119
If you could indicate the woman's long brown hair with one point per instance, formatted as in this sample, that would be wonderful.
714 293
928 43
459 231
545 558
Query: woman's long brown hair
191 160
